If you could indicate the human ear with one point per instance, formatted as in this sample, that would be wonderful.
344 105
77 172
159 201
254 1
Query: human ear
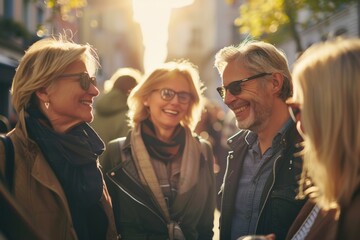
42 94
277 82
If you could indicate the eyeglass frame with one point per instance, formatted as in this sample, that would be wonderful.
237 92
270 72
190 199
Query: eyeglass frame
222 90
84 79
175 93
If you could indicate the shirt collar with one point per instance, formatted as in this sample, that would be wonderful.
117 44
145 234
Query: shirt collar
251 137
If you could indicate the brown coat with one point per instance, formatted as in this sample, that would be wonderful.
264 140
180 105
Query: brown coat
324 227
38 191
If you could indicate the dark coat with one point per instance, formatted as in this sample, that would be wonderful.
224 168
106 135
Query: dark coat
278 204
137 213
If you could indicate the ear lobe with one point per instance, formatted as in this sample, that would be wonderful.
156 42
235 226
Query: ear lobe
42 95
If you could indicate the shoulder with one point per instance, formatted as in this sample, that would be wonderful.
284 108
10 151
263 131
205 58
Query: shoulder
113 153
349 219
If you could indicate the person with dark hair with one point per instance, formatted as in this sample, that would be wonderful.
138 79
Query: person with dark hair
110 116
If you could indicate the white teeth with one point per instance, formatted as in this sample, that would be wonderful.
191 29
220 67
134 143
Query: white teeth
171 112
241 109
86 102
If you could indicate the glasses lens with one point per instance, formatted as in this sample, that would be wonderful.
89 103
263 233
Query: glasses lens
167 94
86 80
184 97
221 91
234 88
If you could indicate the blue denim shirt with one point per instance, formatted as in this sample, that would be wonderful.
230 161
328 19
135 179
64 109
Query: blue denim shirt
254 174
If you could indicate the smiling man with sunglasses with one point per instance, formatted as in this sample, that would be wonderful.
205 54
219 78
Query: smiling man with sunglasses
261 180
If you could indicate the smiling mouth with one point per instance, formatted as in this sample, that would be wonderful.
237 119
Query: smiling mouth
241 109
171 112
89 103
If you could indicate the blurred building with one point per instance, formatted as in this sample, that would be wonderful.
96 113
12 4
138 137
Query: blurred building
344 22
198 31
18 22
108 25
195 32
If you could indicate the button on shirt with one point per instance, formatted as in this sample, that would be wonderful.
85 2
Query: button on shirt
254 173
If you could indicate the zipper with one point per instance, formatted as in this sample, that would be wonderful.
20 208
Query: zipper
268 194
134 198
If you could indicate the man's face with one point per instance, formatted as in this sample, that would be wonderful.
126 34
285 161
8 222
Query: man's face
253 105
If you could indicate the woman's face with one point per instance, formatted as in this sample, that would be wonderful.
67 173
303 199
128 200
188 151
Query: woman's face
167 113
69 103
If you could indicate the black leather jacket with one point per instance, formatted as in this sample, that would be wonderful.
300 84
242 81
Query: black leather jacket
278 206
138 215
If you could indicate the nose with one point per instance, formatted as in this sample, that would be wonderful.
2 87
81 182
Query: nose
93 90
228 97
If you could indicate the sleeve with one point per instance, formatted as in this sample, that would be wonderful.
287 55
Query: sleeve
206 222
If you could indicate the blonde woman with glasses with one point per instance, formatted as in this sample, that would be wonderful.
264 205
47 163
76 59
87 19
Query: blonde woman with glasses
161 176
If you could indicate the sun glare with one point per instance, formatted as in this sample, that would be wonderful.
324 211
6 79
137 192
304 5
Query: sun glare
153 17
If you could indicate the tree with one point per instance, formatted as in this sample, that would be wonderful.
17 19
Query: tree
263 17
65 6
60 9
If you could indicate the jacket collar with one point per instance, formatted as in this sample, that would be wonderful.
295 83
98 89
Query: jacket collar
40 169
286 135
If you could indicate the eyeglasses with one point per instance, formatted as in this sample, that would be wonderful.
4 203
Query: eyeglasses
235 87
168 94
84 78
294 110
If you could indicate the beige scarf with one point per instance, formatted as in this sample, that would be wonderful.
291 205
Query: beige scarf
190 165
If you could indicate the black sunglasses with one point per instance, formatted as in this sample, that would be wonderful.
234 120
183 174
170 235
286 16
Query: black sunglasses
235 87
84 78
168 94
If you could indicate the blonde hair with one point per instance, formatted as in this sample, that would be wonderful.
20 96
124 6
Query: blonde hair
327 83
258 57
43 62
167 72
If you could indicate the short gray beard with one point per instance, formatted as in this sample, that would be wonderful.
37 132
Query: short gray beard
261 116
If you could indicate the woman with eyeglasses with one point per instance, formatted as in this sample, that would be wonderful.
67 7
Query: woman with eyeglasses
326 106
57 180
160 177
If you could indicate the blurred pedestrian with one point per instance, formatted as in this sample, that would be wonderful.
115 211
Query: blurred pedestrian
161 176
110 120
57 180
210 128
326 107
261 179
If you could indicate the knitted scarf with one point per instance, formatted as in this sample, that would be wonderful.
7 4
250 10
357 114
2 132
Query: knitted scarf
73 158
